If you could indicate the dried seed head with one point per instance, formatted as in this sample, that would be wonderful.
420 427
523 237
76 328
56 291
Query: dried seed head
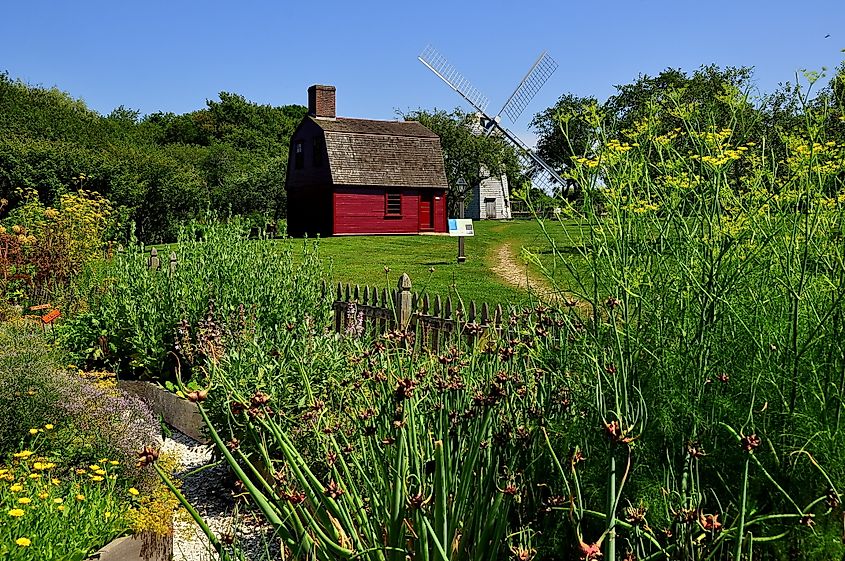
750 442
332 490
709 522
197 396
147 456
237 408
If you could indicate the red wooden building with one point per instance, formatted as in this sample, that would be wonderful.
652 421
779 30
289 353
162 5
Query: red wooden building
358 176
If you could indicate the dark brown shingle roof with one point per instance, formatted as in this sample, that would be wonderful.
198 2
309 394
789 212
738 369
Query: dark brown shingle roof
383 153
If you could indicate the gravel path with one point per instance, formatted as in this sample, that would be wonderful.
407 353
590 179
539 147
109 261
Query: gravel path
209 491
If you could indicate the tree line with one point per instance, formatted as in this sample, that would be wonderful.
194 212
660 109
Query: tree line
159 169
231 156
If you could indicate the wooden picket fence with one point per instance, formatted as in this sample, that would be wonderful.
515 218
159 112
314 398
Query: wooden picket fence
369 310
434 321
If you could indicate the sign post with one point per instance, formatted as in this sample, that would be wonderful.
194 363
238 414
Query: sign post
461 228
461 256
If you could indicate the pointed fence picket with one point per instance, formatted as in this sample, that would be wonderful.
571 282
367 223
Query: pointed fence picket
435 321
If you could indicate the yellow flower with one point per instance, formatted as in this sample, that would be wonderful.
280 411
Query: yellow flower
43 495
100 472
114 462
55 481
16 512
49 426
80 471
94 467
33 431
23 454
24 500
80 497
133 491
96 478
16 488
35 476
103 460
23 542
60 508
58 500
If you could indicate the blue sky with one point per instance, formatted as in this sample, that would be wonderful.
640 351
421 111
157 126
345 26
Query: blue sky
172 56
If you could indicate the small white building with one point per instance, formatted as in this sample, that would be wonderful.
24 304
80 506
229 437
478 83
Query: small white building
490 200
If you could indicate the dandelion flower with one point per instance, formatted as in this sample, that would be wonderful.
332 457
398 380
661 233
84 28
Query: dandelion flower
94 467
35 476
43 495
33 431
114 462
16 488
133 491
58 500
96 478
100 472
80 497
60 508
55 481
24 500
24 454
16 513
49 426
23 542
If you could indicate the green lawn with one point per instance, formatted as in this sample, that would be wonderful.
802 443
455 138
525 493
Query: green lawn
362 259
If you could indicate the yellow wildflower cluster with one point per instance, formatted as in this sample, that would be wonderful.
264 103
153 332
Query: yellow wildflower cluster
100 378
818 158
36 504
640 206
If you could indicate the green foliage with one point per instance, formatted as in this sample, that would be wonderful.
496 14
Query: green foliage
468 153
158 170
222 280
715 296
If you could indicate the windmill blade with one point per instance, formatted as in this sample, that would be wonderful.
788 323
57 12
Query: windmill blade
438 64
541 173
534 79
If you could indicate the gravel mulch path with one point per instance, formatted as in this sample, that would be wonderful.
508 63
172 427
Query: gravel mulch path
210 493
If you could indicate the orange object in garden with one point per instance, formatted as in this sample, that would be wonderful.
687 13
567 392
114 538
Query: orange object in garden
40 307
51 316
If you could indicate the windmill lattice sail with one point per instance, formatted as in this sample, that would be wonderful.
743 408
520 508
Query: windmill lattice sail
438 64
541 173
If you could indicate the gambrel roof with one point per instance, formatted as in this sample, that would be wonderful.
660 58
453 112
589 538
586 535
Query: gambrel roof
383 153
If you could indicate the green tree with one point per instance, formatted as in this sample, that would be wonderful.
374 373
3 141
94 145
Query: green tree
468 153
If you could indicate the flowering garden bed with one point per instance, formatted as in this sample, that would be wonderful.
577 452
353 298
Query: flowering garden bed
68 480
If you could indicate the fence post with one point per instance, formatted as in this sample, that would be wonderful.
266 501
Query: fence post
403 301
174 263
153 262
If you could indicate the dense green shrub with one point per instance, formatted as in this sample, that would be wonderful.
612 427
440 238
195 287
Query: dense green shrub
224 285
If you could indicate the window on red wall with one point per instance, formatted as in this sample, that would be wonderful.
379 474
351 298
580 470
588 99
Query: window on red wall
393 204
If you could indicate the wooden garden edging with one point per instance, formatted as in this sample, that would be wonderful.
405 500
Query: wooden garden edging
139 547
177 412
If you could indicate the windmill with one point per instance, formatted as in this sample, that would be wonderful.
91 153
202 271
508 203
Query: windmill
542 175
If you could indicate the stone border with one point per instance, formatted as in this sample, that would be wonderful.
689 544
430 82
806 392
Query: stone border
177 412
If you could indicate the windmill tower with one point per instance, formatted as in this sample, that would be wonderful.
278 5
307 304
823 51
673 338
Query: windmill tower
542 175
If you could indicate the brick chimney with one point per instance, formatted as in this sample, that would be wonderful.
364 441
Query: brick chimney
321 101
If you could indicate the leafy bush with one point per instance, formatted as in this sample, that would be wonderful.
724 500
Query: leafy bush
42 249
223 284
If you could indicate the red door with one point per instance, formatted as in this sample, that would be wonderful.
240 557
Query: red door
426 211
